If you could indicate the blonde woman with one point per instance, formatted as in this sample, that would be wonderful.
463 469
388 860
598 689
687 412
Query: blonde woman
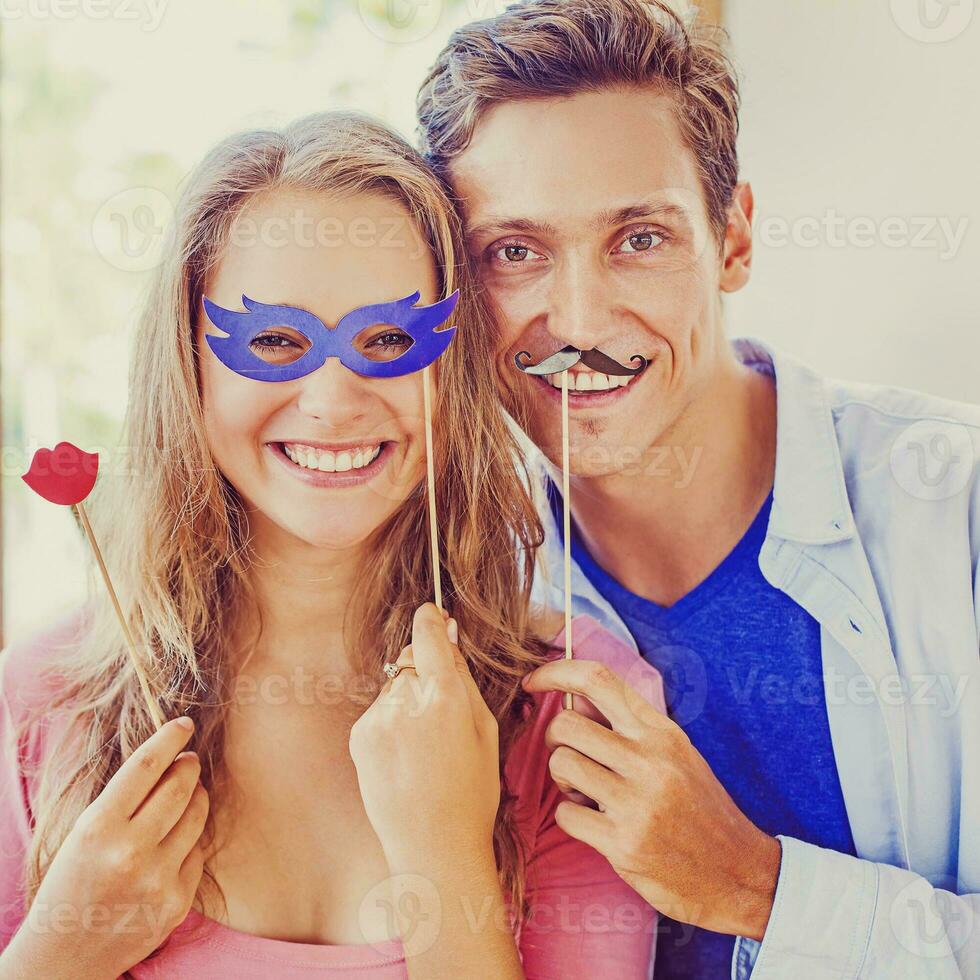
294 818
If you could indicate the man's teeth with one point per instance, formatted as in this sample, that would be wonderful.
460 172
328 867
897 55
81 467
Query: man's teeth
590 381
327 461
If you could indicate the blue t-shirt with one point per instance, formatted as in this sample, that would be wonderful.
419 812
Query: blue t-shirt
742 674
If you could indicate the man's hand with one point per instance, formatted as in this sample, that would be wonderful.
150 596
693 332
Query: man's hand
664 822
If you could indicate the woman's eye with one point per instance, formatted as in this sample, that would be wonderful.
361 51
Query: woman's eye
275 345
642 241
391 339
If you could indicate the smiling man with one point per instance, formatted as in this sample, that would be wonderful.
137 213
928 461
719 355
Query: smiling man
795 555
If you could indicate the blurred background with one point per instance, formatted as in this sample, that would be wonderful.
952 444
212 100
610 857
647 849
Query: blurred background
859 134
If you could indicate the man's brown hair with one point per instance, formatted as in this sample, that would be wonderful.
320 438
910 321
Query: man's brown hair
547 48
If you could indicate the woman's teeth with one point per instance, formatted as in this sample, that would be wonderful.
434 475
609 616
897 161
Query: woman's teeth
590 381
327 461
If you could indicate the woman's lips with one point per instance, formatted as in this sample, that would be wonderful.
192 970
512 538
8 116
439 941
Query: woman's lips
320 478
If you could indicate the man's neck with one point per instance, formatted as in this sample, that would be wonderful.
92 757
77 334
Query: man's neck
662 530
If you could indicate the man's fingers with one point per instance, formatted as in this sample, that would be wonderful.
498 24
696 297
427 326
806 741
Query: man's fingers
590 826
626 710
135 778
572 729
572 770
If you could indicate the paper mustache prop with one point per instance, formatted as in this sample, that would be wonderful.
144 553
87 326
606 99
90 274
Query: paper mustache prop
568 357
66 475
559 363
413 326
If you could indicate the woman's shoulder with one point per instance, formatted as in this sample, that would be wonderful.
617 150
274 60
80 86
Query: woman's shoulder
29 674
528 759
592 641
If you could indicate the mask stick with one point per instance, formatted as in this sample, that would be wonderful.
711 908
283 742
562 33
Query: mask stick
431 488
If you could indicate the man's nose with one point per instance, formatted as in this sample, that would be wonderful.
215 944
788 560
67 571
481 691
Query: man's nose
579 310
333 395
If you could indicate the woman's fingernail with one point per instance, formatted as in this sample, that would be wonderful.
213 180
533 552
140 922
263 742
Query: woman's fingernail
453 630
186 722
524 680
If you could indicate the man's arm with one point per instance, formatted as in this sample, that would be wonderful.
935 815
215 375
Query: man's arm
668 827
839 916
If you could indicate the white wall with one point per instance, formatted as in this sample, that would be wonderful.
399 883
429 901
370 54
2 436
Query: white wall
857 109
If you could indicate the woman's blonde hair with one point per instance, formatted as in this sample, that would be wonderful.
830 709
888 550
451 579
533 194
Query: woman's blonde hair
176 535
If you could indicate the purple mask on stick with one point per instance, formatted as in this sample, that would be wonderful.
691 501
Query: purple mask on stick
417 324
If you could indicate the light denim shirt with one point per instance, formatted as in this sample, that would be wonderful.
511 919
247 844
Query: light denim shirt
875 531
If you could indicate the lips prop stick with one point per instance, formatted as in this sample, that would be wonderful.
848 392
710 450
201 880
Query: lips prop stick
561 362
354 342
65 475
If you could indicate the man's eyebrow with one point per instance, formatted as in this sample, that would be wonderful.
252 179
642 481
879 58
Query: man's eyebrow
496 225
637 212
500 225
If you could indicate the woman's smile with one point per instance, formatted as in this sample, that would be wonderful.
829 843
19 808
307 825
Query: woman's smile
346 464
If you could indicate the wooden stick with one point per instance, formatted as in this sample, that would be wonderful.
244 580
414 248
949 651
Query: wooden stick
567 519
431 470
134 656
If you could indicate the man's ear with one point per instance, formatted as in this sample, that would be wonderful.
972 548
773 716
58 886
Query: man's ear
737 264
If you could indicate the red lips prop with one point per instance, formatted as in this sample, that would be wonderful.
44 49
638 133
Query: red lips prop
63 475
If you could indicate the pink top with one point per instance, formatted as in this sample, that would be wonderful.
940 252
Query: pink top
589 923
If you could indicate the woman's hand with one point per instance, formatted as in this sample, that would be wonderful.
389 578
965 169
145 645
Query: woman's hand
127 873
426 754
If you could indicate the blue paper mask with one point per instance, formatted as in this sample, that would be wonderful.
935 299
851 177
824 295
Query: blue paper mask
417 324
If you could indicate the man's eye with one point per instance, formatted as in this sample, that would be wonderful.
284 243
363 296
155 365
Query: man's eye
514 253
642 241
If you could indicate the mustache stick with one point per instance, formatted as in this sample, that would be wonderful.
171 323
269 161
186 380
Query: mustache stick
562 361
566 514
